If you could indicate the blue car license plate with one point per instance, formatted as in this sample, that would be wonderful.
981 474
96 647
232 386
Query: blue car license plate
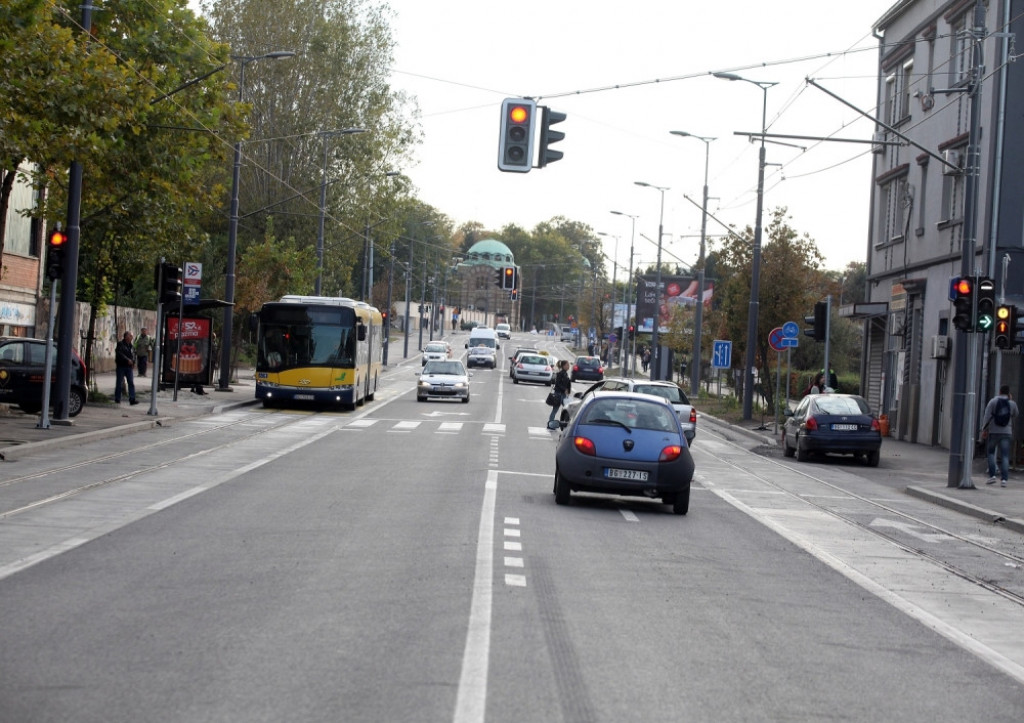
630 474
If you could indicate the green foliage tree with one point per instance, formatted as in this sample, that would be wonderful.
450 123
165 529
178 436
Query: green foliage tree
791 281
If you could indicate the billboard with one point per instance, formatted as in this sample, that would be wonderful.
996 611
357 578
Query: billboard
675 291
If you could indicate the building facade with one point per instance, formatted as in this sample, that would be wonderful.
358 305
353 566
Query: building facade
478 275
22 273
918 233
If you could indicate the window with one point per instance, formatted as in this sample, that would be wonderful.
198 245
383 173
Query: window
890 100
960 51
892 217
906 78
952 197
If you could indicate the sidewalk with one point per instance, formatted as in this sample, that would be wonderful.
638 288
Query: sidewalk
914 469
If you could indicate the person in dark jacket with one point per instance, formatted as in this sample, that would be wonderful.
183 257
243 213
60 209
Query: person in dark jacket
563 388
124 366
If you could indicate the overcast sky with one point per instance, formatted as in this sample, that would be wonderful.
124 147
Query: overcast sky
626 74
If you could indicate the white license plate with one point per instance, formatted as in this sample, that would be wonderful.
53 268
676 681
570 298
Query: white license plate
305 397
844 427
630 474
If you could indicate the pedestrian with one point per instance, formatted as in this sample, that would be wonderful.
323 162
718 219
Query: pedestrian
646 359
124 362
817 386
562 390
997 430
143 349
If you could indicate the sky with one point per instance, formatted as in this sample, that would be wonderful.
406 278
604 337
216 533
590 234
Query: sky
626 74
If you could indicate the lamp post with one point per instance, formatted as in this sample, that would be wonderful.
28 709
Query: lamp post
655 348
629 296
323 202
698 323
755 262
229 274
615 273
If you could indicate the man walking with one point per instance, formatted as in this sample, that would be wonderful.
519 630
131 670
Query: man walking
143 350
997 428
124 361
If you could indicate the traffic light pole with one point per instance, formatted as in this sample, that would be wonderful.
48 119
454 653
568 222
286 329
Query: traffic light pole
966 352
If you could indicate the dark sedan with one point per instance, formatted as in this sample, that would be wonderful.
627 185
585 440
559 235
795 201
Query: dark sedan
624 444
832 424
587 368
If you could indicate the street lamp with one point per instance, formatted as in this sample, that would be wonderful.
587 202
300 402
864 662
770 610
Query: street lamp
655 348
615 273
229 274
755 264
698 324
323 202
629 296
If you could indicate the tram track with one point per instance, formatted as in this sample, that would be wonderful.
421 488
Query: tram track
1008 558
150 467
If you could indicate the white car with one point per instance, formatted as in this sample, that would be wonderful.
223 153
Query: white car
504 331
533 368
436 351
447 378
568 334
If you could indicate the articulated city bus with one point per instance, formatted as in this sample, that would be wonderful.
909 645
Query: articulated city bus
318 349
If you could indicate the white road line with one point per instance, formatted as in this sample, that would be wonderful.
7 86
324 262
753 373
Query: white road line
513 546
513 562
630 517
515 581
471 699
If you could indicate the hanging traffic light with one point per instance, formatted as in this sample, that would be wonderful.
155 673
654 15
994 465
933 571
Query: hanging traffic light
632 332
986 316
963 303
515 142
499 278
170 283
55 246
1004 328
818 329
547 136
508 280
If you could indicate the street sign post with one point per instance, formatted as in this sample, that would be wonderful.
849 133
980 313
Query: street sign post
721 354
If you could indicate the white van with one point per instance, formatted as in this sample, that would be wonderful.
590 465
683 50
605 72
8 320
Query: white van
483 348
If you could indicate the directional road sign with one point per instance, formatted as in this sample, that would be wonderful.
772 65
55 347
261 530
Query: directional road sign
790 330
721 354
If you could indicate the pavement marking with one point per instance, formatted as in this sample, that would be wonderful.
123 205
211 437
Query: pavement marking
450 427
513 562
492 428
515 581
629 515
471 697
513 546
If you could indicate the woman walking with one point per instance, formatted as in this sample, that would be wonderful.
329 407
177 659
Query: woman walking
563 388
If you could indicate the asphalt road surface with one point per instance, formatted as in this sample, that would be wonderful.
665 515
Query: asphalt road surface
407 562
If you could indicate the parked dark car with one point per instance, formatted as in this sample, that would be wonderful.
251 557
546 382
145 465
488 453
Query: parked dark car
22 367
624 444
832 424
587 368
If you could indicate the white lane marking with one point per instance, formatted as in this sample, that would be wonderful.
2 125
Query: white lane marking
450 427
511 520
404 426
515 581
513 546
511 532
471 699
490 428
361 423
629 515
513 562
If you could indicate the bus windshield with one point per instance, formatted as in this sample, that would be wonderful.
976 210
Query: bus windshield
294 336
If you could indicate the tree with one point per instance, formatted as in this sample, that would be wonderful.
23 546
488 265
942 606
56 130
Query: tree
791 281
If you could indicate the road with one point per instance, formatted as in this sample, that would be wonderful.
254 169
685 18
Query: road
406 562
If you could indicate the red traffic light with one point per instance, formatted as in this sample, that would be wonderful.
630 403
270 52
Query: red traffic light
58 238
962 287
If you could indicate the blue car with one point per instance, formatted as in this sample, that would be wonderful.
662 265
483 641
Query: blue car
624 444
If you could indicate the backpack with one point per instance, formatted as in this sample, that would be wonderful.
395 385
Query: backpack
1001 414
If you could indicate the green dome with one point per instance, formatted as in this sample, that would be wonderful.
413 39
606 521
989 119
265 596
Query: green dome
490 252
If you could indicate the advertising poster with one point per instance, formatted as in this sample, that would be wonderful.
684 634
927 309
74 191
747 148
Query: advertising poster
187 351
675 291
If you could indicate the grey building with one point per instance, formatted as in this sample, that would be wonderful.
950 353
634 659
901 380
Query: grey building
918 231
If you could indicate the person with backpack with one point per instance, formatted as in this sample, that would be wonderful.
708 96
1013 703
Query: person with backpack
997 430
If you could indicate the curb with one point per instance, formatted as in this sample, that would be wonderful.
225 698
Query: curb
1010 523
19 450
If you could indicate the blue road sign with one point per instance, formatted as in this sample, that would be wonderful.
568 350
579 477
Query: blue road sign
790 330
789 342
721 355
